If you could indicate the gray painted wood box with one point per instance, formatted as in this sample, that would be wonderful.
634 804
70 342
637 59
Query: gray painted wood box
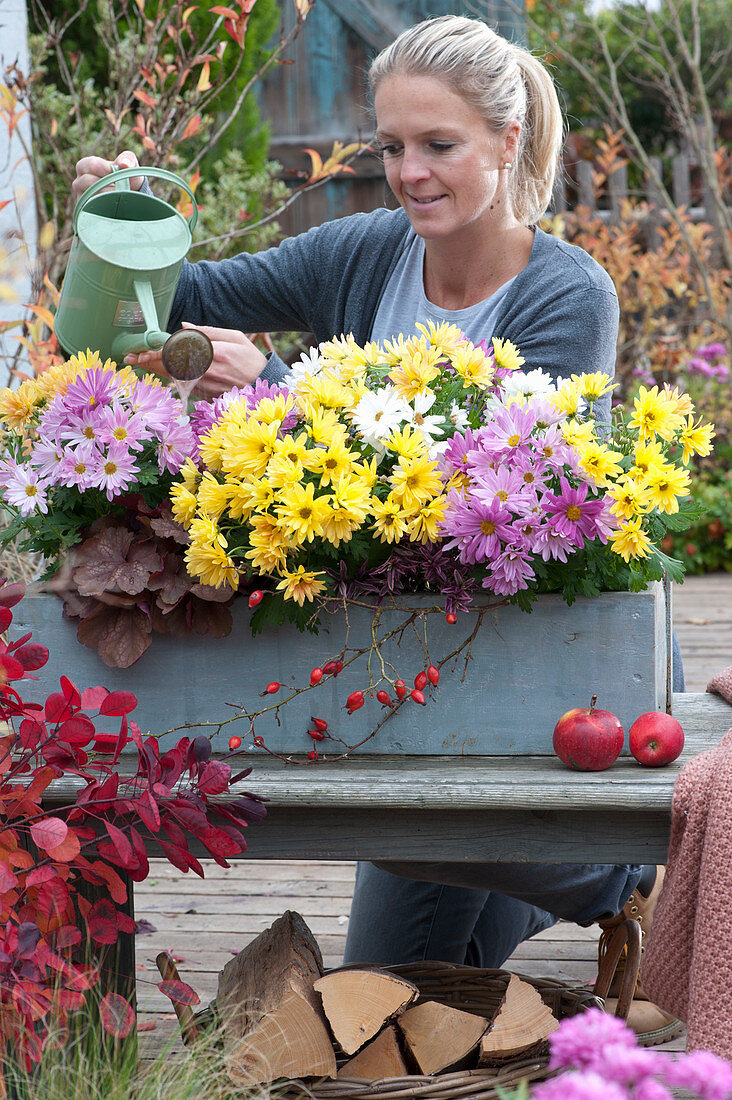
526 671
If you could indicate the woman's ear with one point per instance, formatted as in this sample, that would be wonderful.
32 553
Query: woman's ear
511 139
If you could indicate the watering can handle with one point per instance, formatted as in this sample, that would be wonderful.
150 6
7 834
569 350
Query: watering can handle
123 174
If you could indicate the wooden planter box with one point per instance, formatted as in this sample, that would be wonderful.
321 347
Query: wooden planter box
526 671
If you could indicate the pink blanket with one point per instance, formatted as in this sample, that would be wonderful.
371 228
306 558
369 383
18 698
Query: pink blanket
687 965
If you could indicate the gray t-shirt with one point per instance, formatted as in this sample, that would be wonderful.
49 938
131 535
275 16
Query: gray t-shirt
404 303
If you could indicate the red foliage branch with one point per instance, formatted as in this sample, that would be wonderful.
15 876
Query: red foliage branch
46 924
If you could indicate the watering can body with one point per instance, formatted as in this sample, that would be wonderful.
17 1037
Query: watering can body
125 260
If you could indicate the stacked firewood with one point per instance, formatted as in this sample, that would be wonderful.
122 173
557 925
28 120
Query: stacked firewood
283 1017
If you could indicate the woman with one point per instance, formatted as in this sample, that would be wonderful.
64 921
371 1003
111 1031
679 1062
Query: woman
470 128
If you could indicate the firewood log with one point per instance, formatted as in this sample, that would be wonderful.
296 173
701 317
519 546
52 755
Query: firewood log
522 1021
273 1020
439 1036
359 1001
382 1057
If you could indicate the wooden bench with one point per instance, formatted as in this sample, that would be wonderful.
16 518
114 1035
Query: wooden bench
470 808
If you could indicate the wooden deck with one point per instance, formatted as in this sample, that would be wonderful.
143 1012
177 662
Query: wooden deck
203 922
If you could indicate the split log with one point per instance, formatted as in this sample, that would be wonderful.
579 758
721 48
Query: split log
273 1020
359 1001
439 1036
522 1021
380 1058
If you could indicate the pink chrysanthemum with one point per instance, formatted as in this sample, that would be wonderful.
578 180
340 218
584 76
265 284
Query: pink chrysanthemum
115 471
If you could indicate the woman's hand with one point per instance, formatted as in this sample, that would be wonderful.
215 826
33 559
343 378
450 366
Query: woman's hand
236 361
91 169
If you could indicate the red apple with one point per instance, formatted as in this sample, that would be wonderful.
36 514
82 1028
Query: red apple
655 739
588 739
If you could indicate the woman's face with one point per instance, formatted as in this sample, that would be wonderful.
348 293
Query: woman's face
442 161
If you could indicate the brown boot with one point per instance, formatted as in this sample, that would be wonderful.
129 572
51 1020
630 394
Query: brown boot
651 1024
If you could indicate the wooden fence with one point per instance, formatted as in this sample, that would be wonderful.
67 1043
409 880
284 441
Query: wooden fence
575 187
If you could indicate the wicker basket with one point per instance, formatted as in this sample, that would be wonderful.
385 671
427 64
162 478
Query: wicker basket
473 990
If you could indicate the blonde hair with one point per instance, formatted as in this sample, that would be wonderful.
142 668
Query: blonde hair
500 80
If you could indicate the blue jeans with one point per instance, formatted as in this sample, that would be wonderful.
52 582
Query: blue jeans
478 913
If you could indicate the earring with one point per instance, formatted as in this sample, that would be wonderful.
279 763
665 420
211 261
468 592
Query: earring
508 164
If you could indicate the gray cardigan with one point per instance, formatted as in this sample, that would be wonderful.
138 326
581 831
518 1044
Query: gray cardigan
561 310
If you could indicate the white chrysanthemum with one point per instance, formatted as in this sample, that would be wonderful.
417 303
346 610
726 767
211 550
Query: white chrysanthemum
458 417
309 362
379 413
431 427
528 384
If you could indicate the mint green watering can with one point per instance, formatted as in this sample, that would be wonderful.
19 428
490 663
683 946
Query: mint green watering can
125 260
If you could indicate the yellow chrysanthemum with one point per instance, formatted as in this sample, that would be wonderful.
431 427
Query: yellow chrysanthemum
213 497
213 444
600 462
566 398
443 336
629 498
506 354
631 541
17 407
190 475
593 385
425 525
417 369
323 426
285 467
665 486
389 519
57 378
350 505
647 457
301 585
268 546
654 414
322 390
407 443
695 439
206 556
273 410
681 401
247 448
339 348
472 365
578 433
183 503
330 462
366 471
301 513
414 481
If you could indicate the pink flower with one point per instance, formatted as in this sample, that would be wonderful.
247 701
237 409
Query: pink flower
702 1071
84 426
46 458
177 443
584 1085
578 1038
480 528
118 425
23 488
91 391
571 513
511 573
78 466
116 470
616 1061
509 430
504 485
